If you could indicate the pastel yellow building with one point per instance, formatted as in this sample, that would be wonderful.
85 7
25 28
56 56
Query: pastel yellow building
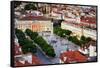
36 25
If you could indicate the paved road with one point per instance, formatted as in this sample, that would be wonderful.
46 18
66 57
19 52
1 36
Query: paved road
43 58
46 60
61 44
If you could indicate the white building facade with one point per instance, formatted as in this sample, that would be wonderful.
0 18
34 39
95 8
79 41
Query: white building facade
79 31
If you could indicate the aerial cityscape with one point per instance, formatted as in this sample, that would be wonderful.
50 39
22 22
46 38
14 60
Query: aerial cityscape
47 33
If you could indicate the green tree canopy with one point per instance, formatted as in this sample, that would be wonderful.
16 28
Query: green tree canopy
75 40
20 35
32 34
62 32
30 6
16 4
48 49
28 46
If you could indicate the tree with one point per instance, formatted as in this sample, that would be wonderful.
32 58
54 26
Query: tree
75 40
28 46
27 49
32 34
50 52
20 35
83 39
88 39
48 49
67 32
62 32
30 6
70 38
16 4
40 41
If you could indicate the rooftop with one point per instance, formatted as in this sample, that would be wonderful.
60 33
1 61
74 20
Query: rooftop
91 20
18 50
24 62
34 18
73 56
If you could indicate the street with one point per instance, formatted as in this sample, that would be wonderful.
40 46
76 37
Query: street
61 44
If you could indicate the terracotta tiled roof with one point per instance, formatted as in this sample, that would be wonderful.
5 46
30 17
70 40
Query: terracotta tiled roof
76 24
18 50
21 61
72 56
34 18
91 20
35 61
18 63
